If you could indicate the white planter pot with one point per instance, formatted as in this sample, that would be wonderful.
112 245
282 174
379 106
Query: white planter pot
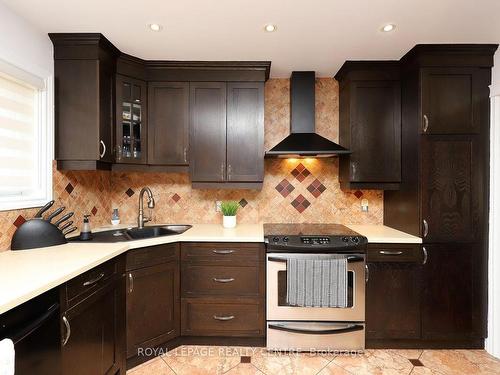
228 221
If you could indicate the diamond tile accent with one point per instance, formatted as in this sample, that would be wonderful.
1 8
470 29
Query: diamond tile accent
316 188
300 172
94 210
243 202
358 194
300 203
284 188
176 197
245 359
416 362
69 188
19 221
129 192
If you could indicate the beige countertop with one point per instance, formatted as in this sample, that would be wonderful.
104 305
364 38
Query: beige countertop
28 273
384 234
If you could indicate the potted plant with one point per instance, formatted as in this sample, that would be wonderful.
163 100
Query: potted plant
229 209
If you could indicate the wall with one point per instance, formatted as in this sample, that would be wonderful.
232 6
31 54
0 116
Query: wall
493 341
316 188
313 195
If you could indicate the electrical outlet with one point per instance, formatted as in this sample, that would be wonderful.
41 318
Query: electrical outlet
217 206
364 205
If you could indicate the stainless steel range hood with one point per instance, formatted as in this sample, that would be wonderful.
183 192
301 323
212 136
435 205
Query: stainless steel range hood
303 141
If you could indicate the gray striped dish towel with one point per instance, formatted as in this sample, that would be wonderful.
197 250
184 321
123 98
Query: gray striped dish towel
317 280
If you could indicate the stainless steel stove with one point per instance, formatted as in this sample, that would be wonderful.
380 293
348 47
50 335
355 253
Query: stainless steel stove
295 328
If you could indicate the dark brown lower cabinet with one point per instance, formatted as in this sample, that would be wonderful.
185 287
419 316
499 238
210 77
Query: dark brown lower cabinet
393 292
153 302
453 293
93 330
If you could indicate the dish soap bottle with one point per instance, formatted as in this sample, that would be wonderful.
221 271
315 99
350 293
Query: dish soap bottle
115 218
86 233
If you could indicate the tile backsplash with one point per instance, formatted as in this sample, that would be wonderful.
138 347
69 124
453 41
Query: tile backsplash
294 190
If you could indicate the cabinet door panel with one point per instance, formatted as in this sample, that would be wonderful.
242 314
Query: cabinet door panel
245 131
450 100
168 123
375 132
208 131
153 306
393 301
93 345
452 189
452 301
131 121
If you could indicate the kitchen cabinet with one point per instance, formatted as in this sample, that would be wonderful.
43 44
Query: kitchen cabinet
370 125
93 324
208 131
168 125
443 195
245 131
451 100
223 290
226 123
153 302
454 293
393 291
452 188
131 121
84 67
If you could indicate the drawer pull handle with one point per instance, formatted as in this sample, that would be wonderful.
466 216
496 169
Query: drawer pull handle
223 252
68 330
228 280
93 281
130 282
388 252
224 318
424 250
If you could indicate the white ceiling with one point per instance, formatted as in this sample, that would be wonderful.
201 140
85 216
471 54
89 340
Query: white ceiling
312 34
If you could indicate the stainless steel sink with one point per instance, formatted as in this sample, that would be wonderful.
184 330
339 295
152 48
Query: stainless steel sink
131 234
157 231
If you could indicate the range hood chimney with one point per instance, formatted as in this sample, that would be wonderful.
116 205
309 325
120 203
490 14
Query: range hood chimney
303 141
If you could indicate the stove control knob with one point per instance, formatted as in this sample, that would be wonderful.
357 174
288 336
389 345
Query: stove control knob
355 239
345 239
285 239
276 239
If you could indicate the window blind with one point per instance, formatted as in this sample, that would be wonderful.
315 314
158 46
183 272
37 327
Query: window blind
19 170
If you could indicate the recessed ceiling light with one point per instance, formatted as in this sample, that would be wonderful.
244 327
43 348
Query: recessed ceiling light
389 27
270 28
155 26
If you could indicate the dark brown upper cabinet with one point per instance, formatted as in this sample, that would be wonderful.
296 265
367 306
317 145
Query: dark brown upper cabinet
245 131
208 131
451 100
227 134
370 125
168 126
131 121
84 70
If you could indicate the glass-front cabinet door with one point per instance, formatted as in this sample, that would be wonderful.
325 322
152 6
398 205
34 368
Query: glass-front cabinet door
130 144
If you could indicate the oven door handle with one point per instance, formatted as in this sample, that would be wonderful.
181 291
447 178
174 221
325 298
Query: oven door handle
341 329
350 258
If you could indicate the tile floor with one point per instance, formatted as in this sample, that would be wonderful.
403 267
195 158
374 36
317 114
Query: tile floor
193 360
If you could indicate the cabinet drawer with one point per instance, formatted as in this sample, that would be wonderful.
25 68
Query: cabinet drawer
150 256
220 280
83 285
205 318
394 253
234 253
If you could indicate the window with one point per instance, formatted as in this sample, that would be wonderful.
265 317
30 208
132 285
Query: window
25 140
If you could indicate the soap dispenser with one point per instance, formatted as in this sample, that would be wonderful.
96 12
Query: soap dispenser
86 233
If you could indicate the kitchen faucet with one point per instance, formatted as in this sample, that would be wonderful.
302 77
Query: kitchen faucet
151 204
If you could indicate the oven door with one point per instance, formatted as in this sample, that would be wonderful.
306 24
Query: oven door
277 309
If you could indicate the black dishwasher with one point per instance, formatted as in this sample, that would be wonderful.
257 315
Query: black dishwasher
34 329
